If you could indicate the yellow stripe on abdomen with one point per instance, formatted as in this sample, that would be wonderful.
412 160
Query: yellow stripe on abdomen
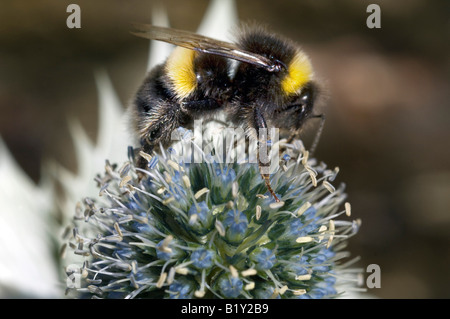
180 70
299 73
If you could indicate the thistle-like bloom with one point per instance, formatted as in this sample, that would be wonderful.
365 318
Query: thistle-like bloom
211 230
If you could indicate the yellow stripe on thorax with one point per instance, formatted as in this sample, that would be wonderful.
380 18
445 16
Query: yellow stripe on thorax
180 69
299 73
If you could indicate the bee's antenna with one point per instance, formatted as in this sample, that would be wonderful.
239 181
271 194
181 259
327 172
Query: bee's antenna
318 133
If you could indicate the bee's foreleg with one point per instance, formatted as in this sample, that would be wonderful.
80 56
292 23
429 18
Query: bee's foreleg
263 163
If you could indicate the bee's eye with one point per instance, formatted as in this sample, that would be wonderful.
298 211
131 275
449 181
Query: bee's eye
305 98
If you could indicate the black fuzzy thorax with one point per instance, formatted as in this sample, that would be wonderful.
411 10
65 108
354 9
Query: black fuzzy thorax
258 40
213 81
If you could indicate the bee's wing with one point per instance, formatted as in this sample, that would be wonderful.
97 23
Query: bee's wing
204 44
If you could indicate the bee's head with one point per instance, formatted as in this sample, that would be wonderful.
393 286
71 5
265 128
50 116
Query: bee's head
299 91
298 108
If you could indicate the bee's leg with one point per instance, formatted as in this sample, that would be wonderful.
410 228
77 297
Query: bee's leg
261 131
318 133
200 107
296 134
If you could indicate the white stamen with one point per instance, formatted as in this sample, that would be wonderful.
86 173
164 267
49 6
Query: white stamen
133 282
193 219
299 292
249 272
303 208
249 286
165 244
331 228
234 189
118 230
313 178
304 239
201 192
329 187
140 219
175 166
146 156
258 212
182 270
321 230
168 200
171 276
348 209
199 293
276 205
186 181
220 228
283 290
161 280
134 266
167 177
303 277
234 272
305 157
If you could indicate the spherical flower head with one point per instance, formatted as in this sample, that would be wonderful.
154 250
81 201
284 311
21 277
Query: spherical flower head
210 229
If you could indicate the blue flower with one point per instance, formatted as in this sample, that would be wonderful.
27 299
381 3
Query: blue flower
298 265
236 223
200 218
166 251
227 175
231 287
264 258
180 290
265 290
203 258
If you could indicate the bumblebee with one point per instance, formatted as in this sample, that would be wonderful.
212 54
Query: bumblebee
272 85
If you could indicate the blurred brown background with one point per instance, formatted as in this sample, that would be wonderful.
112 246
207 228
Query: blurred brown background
388 110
